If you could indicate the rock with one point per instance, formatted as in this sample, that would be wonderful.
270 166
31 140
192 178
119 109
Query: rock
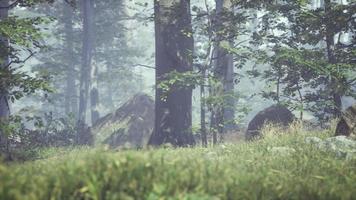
313 140
341 146
341 142
276 114
347 123
282 151
351 155
130 126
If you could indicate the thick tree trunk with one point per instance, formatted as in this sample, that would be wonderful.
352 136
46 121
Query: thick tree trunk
330 45
86 66
4 60
174 48
71 102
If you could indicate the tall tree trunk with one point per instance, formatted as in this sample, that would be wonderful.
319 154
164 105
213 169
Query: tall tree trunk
330 45
109 82
229 98
174 48
224 115
94 90
94 95
86 67
4 60
204 137
70 93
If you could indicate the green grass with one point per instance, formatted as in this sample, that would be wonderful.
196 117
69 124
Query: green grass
233 171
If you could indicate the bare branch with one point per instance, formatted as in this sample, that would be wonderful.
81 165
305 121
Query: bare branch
146 66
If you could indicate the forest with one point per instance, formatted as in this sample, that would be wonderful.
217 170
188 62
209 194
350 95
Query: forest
177 99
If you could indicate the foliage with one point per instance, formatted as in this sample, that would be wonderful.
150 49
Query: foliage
178 80
308 69
23 35
46 131
239 171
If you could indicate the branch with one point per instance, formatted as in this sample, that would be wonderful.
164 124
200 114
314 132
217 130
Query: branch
146 66
23 61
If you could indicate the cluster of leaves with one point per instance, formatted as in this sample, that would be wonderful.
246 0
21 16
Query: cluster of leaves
20 36
17 84
177 80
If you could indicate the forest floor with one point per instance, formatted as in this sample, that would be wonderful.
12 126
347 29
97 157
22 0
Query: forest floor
280 166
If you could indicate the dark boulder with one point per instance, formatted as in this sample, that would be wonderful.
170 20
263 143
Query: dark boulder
347 124
130 126
276 114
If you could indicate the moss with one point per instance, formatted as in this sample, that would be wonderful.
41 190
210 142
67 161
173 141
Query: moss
106 131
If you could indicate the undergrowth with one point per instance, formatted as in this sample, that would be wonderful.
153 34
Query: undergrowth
230 171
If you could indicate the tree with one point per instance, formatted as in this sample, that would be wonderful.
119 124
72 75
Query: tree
323 28
222 118
71 102
4 60
174 54
312 68
112 58
116 78
94 73
19 40
85 72
86 59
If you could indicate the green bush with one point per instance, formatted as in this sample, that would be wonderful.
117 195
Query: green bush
236 171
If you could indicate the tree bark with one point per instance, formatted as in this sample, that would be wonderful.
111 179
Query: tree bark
174 48
109 82
94 95
4 60
330 45
71 102
94 90
204 137
224 114
86 64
